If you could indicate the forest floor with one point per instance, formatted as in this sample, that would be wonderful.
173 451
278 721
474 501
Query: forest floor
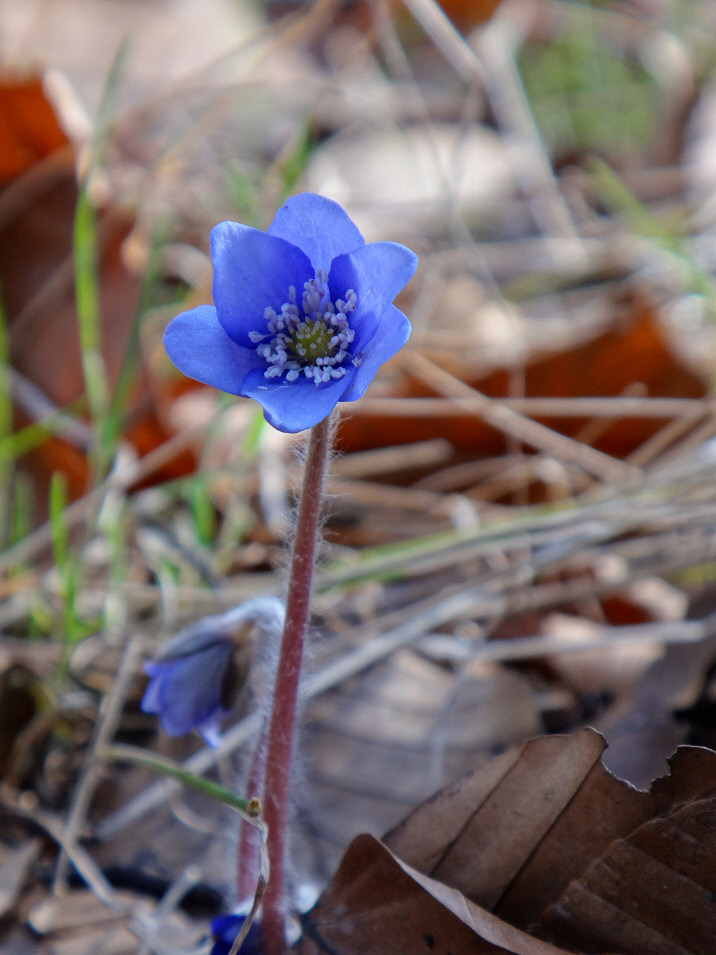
518 557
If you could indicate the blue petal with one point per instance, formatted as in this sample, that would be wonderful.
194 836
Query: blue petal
201 349
318 226
226 927
186 692
292 406
252 270
150 700
376 272
210 728
392 333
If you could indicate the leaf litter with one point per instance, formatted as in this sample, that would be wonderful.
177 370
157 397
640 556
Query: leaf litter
520 533
549 844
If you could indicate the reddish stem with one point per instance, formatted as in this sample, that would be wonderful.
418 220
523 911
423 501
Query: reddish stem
283 714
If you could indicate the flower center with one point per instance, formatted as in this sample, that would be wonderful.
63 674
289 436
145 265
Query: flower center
313 339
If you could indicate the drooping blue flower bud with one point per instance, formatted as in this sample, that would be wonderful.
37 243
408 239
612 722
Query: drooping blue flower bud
193 680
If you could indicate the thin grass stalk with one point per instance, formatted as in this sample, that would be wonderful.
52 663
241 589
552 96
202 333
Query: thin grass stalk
88 312
5 430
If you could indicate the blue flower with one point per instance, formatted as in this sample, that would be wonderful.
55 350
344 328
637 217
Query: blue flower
302 315
225 928
188 692
194 681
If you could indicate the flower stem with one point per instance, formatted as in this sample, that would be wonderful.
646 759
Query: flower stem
285 697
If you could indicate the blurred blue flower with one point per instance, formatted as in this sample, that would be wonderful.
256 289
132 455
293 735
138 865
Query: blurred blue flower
188 692
302 315
225 928
194 681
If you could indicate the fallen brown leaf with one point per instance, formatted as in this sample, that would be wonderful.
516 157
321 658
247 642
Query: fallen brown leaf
378 904
653 892
542 842
513 835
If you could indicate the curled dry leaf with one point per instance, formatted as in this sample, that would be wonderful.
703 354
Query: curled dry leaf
513 835
547 843
378 904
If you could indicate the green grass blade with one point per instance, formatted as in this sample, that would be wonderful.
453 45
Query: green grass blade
88 309
248 809
6 427
87 277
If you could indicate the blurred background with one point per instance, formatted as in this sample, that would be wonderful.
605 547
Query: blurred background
521 530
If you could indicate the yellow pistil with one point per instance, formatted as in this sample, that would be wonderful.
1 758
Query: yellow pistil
311 340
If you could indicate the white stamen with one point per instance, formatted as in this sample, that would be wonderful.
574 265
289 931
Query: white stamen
299 335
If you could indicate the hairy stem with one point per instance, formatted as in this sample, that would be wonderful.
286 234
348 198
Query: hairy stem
283 714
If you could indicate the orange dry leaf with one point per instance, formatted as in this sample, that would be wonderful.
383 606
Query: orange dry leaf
29 129
468 14
37 210
633 353
464 14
